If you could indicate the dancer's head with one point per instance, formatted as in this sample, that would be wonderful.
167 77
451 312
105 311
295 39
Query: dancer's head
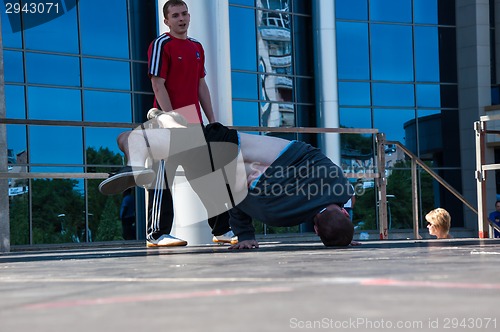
334 227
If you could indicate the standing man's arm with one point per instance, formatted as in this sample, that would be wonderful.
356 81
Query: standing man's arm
161 93
205 100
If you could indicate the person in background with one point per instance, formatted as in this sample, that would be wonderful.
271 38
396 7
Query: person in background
127 215
494 219
438 223
176 65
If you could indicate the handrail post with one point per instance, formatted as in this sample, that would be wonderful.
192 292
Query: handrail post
414 196
482 223
382 188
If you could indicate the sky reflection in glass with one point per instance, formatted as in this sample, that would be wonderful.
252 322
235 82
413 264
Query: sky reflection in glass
107 106
352 50
14 101
52 69
65 145
392 52
104 28
54 104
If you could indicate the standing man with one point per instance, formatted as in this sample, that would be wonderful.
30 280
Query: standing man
177 72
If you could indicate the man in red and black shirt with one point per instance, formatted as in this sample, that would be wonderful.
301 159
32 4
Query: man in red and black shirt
177 72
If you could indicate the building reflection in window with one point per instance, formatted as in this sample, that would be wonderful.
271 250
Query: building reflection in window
275 63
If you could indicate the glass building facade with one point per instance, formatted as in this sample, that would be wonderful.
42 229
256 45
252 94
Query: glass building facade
397 70
78 66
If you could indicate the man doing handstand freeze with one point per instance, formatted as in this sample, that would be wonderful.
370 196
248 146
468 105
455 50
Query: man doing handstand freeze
279 182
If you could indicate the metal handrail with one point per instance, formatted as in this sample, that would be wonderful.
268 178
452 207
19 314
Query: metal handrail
128 125
35 175
415 160
434 175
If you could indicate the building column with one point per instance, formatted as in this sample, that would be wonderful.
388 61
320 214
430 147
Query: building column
4 183
325 59
474 91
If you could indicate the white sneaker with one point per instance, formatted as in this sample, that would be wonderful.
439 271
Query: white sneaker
229 237
166 240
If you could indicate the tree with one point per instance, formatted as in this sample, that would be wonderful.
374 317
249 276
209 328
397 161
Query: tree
97 202
57 210
19 220
109 228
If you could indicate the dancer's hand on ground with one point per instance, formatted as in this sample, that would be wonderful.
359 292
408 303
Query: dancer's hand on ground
355 243
247 244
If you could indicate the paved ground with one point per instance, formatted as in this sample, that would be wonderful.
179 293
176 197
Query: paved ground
428 285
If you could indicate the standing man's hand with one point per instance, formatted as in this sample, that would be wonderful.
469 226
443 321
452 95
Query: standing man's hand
205 100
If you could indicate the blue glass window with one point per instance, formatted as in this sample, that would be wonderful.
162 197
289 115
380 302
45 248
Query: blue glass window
449 96
399 95
104 28
142 103
245 114
107 106
54 104
13 66
427 54
244 85
351 9
393 123
106 74
140 77
355 117
426 11
448 55
58 35
15 102
11 28
304 90
52 69
352 50
242 2
56 145
430 135
243 38
392 52
303 58
428 95
390 10
16 138
354 94
103 138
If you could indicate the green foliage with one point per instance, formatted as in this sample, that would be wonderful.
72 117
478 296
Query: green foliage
110 228
19 220
97 201
57 210
363 144
365 209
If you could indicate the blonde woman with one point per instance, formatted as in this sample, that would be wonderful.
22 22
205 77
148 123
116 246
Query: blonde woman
438 223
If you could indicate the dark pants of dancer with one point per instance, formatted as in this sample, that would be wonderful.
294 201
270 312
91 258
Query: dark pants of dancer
196 162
